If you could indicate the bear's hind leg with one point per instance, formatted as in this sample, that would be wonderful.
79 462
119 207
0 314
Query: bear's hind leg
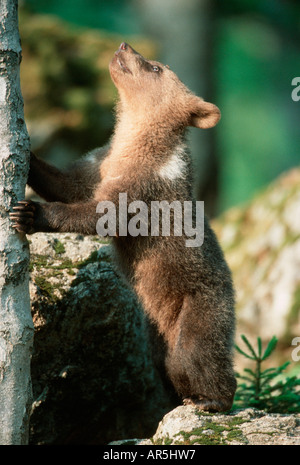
199 363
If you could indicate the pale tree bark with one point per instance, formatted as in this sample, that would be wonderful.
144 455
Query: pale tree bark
16 327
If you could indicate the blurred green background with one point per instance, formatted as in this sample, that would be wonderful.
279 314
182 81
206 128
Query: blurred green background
240 54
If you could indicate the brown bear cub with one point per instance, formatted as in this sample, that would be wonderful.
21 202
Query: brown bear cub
186 291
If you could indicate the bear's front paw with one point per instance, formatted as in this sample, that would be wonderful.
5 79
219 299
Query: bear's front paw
23 216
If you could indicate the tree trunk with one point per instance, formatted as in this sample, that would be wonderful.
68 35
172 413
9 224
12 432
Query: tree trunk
16 327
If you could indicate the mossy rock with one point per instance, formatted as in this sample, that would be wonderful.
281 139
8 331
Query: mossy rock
93 375
186 425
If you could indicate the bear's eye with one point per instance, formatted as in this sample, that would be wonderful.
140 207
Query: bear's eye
155 68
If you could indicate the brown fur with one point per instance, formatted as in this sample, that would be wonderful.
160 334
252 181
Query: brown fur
186 292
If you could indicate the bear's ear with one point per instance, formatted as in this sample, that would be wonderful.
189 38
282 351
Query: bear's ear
204 115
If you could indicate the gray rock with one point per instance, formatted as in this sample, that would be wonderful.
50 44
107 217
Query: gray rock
92 371
185 425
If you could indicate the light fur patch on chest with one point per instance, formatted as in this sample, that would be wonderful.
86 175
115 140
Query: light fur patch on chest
175 167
